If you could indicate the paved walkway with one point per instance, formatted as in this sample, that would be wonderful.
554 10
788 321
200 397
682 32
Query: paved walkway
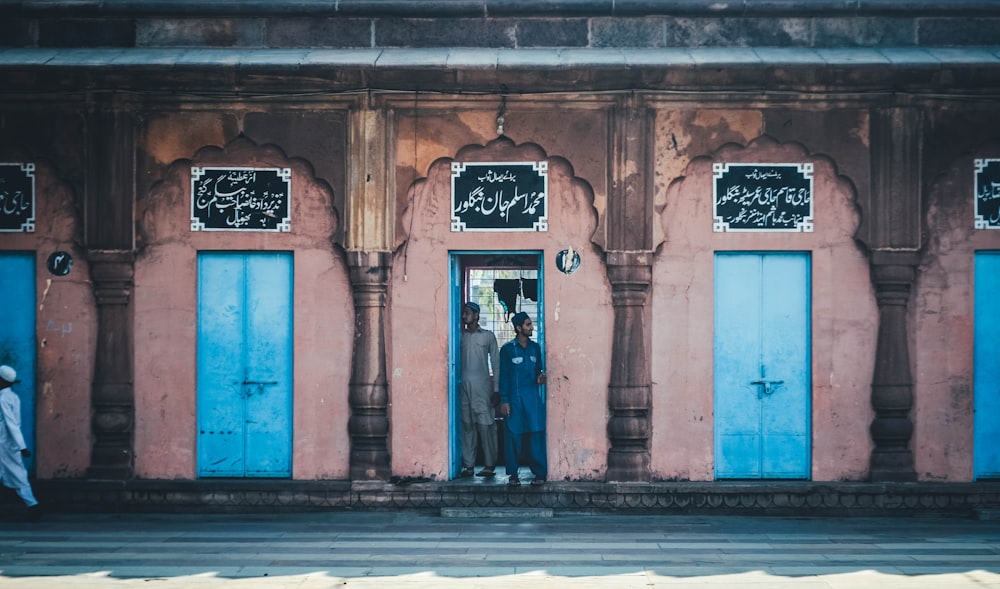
411 550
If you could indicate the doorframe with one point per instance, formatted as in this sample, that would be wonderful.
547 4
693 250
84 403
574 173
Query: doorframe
456 273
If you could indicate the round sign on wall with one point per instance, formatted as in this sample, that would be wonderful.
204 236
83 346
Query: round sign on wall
60 263
568 261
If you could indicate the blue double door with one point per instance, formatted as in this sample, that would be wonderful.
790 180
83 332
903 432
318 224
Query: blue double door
762 370
986 366
17 334
245 364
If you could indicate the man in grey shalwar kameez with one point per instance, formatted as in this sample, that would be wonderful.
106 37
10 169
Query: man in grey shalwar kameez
12 446
480 357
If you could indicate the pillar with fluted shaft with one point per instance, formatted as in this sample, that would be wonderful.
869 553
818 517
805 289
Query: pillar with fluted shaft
893 274
112 398
892 229
370 222
629 266
109 233
368 394
629 392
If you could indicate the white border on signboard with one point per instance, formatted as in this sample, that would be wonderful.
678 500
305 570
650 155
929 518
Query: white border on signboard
979 221
29 171
542 168
721 226
284 225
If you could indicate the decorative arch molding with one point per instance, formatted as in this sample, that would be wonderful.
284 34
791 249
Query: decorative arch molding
844 310
173 189
166 311
501 149
65 322
420 307
943 317
797 152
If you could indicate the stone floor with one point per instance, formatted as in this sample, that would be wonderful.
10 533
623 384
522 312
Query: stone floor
527 550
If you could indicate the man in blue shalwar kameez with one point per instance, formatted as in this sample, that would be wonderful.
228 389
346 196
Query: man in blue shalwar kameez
522 372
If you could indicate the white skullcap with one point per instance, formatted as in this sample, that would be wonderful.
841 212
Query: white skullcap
7 373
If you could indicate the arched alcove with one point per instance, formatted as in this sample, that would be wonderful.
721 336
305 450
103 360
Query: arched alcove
843 318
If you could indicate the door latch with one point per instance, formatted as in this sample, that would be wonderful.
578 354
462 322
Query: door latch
767 387
258 385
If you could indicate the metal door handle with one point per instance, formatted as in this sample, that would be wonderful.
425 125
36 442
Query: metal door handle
767 386
246 393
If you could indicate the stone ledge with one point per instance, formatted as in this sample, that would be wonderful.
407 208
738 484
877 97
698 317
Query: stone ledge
496 513
721 498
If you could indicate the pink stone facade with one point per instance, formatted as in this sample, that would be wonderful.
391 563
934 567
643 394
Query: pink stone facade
578 311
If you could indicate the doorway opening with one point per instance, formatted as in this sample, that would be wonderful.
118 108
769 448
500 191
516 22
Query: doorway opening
502 283
17 338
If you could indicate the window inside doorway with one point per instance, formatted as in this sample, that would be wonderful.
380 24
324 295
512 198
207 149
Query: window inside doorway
501 292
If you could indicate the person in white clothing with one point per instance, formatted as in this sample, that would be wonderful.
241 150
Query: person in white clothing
12 446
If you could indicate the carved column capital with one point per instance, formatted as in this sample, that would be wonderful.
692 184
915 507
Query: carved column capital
112 273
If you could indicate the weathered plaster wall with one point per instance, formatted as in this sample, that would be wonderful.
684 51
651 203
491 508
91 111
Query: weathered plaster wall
578 134
166 310
578 318
943 319
66 320
844 315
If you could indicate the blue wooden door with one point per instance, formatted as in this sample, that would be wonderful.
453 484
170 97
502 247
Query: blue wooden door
17 335
986 361
244 364
762 366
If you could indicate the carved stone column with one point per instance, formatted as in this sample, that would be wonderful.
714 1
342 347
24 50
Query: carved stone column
892 232
630 391
893 274
109 232
629 266
369 391
370 222
112 396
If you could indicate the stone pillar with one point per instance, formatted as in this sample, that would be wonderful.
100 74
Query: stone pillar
109 233
630 391
892 232
112 396
893 274
629 266
370 222
369 388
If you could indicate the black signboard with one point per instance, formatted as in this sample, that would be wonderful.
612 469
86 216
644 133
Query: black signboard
17 197
241 199
987 194
505 196
763 197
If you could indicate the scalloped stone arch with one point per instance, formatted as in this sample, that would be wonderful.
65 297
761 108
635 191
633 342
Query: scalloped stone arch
577 310
499 149
166 303
844 325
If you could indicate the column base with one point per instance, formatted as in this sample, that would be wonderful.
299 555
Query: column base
628 466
